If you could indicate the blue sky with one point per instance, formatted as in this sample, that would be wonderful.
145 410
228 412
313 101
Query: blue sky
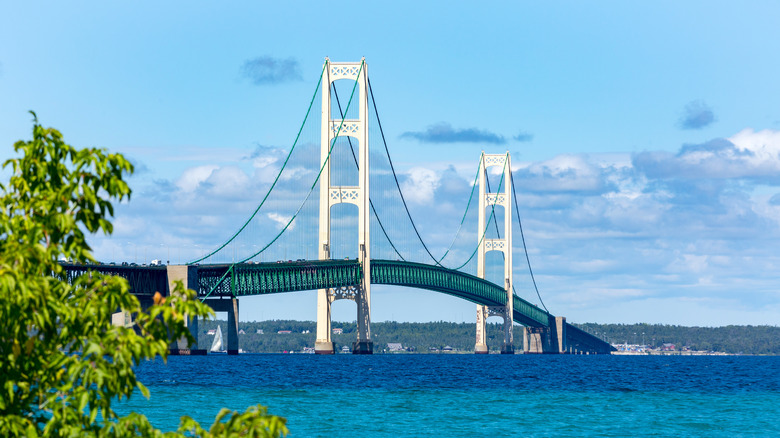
645 138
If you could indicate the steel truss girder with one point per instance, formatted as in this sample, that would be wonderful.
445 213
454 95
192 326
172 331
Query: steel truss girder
266 278
269 278
143 280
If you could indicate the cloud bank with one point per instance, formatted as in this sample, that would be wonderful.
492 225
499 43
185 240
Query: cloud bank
610 237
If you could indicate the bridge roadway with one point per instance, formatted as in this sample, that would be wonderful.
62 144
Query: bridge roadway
247 279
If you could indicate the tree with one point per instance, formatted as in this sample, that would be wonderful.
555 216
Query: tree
62 362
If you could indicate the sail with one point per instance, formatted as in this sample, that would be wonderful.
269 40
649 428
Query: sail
216 346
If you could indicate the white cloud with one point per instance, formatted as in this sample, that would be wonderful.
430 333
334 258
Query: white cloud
420 185
563 173
191 178
764 145
281 220
749 155
228 181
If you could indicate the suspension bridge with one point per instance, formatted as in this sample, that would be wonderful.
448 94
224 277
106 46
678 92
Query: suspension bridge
339 221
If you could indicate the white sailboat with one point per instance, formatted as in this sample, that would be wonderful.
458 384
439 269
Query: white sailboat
216 346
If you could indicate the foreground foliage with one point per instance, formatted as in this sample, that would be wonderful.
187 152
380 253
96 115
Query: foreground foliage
62 362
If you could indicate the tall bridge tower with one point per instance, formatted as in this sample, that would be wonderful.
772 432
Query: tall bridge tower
358 195
503 244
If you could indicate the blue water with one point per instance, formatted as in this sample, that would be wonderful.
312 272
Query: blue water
469 395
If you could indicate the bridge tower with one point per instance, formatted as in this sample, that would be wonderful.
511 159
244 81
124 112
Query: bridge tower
503 244
358 195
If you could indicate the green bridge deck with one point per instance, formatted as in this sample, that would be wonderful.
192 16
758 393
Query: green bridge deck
247 279
269 278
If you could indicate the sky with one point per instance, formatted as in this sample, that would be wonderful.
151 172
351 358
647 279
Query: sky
645 138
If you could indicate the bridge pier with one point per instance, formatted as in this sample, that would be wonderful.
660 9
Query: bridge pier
364 344
188 275
480 347
323 343
536 340
546 340
229 305
508 346
559 334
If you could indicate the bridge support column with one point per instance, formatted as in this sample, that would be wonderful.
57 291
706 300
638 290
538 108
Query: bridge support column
122 319
481 345
558 337
508 347
323 343
230 306
364 344
552 339
536 340
188 275
233 327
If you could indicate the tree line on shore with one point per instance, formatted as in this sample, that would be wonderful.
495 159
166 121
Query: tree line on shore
732 339
279 336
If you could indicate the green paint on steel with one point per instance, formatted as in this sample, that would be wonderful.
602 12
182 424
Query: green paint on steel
269 278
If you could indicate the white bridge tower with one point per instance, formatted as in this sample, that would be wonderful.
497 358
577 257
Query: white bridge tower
501 198
358 195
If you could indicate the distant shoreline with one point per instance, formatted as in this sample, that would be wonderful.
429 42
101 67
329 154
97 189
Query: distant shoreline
279 336
681 353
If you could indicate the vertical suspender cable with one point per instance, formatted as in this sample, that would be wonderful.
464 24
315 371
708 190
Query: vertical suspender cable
370 202
522 237
319 82
409 215
382 132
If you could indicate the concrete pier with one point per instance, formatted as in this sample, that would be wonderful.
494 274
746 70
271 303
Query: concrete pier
363 347
546 340
229 305
188 275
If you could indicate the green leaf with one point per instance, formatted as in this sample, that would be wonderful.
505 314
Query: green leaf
66 363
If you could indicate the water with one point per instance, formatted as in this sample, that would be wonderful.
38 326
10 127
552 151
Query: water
469 395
